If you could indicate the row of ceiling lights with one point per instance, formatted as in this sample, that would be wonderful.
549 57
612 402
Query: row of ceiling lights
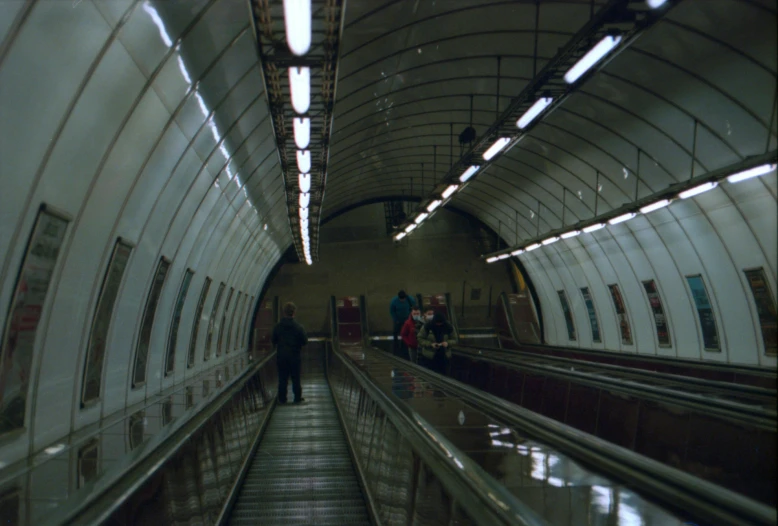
584 64
297 23
647 209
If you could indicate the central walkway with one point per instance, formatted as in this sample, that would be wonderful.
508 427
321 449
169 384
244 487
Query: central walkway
302 472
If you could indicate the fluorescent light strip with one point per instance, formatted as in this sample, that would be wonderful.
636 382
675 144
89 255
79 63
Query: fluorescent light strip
491 259
503 256
532 247
305 200
534 110
433 205
303 213
572 233
592 228
495 148
467 174
550 240
421 217
305 182
698 190
304 161
655 206
450 190
300 86
655 4
622 218
401 235
302 132
410 228
297 22
753 172
517 252
594 55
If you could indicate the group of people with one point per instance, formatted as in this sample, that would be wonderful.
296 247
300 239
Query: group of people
423 336
425 339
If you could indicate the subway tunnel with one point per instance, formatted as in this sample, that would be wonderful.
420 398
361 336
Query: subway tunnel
600 231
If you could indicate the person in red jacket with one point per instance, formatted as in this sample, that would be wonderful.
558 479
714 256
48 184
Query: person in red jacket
408 334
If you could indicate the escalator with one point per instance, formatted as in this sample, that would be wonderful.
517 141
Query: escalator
302 471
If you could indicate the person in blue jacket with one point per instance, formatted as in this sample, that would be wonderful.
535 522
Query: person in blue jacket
400 309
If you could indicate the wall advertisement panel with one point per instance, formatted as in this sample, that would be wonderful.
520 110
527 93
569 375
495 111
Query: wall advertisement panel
190 359
147 323
24 315
621 314
212 320
587 297
710 335
98 335
223 324
660 320
765 308
568 314
170 361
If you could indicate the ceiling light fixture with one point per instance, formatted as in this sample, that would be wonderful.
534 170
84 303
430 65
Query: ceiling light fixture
495 148
401 235
491 259
467 174
655 206
572 233
517 252
753 172
534 110
594 55
410 228
300 86
532 247
304 161
450 190
305 200
503 256
421 217
297 18
655 4
305 183
622 218
302 132
303 214
592 228
550 240
698 190
433 205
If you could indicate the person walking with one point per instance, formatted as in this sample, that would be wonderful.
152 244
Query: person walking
400 309
411 328
289 338
435 339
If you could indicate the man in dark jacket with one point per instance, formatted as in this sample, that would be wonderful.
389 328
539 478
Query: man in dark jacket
400 309
289 338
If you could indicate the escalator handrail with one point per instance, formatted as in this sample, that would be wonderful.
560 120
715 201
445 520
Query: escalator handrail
82 508
485 500
754 415
670 485
702 382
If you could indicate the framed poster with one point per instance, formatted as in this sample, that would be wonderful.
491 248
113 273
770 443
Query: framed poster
223 324
765 309
98 335
190 359
248 323
621 314
710 336
144 338
568 314
212 321
24 315
655 301
136 428
587 297
170 360
231 326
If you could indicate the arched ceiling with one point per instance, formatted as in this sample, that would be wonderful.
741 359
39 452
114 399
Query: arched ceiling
408 70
